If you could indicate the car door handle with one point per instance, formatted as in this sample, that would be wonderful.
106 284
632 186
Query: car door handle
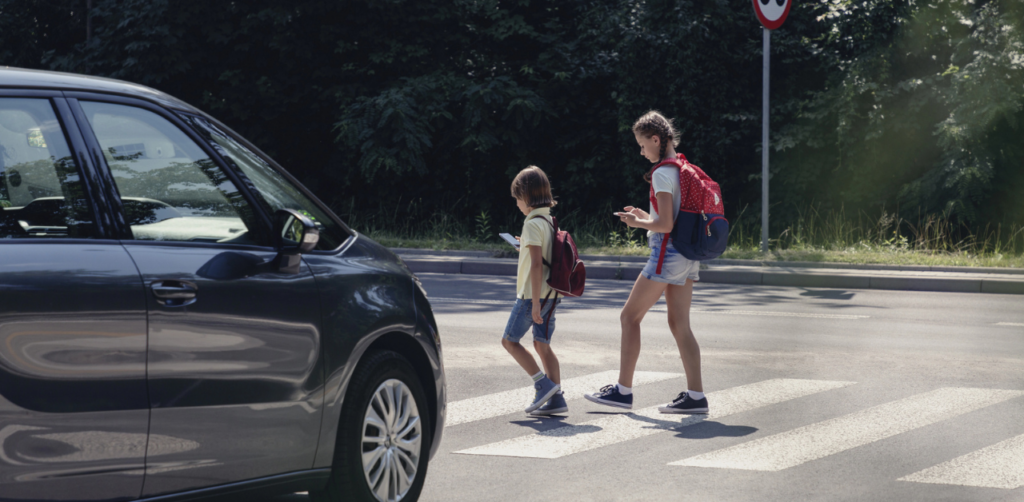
173 293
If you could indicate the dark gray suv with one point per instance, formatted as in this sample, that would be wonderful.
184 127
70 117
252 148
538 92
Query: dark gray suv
181 319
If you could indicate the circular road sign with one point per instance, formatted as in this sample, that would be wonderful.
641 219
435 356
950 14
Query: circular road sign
772 13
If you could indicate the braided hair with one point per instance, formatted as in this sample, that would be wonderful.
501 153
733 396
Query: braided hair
654 123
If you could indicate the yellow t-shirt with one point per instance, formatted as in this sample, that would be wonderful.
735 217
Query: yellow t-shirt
536 232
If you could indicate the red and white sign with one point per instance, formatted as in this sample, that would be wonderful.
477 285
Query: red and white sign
772 13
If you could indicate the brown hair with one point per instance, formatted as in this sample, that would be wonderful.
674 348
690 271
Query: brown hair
654 123
532 185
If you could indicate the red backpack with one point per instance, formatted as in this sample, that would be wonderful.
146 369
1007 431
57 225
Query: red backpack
568 275
701 231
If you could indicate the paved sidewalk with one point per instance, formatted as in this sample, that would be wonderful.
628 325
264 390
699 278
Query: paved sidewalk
750 272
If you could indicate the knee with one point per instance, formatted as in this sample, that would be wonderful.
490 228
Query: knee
629 319
542 348
679 328
508 345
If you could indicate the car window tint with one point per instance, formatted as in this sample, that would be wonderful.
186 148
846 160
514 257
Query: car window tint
41 192
274 191
171 190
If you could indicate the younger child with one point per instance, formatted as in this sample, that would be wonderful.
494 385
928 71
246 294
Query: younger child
534 298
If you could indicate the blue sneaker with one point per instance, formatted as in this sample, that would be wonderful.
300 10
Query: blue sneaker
684 404
609 395
554 405
545 389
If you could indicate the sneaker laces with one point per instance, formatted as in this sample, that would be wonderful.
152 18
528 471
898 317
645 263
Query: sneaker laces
680 398
607 389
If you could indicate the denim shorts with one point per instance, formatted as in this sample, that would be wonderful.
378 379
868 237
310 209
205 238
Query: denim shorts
675 270
521 321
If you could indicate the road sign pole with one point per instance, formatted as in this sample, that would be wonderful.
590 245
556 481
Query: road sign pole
764 141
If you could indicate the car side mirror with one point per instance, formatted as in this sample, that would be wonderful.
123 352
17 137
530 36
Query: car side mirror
294 234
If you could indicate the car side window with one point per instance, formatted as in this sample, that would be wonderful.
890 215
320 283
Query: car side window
272 190
170 188
41 192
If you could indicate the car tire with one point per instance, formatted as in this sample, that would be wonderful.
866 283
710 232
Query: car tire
384 419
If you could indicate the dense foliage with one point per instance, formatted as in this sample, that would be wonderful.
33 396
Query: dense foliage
427 106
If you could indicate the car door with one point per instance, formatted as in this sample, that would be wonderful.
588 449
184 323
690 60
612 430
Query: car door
234 342
73 408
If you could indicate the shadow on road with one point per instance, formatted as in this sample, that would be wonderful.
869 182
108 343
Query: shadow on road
541 424
708 430
829 294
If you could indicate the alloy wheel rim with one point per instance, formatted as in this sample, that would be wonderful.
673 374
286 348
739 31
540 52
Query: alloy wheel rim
392 440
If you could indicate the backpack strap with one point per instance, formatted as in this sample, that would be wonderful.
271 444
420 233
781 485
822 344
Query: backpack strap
547 320
661 255
554 232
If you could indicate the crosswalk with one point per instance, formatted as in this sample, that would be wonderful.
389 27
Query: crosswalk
504 403
999 465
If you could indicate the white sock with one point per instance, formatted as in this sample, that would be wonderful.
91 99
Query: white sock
625 391
538 376
695 395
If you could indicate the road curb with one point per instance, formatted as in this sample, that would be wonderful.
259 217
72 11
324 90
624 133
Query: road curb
743 263
721 273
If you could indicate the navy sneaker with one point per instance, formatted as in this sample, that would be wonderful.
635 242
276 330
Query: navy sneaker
554 405
609 395
545 389
684 404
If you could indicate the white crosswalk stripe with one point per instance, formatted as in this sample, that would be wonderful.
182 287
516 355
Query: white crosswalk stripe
515 401
998 466
815 441
594 434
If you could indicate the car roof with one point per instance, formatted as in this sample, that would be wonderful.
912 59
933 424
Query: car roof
39 79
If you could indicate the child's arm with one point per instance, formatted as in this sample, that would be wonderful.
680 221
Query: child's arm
654 222
536 278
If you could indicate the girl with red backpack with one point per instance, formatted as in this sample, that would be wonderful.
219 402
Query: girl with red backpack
666 272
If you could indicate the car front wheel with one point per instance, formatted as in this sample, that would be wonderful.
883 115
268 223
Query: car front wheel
383 439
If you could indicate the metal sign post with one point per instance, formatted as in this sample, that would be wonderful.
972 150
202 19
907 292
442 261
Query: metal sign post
764 138
771 13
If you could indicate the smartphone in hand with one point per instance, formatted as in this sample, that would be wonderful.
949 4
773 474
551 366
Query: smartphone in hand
509 239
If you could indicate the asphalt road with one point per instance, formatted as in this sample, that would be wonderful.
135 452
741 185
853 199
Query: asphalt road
815 394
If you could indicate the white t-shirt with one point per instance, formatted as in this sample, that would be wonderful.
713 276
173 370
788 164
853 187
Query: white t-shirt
666 179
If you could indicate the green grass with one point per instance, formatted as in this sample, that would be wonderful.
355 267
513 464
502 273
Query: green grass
827 237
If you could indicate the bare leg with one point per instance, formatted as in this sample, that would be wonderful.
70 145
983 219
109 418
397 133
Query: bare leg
522 356
547 357
678 299
644 295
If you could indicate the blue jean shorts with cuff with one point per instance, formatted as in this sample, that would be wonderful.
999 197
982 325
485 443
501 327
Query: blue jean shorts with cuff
521 321
676 268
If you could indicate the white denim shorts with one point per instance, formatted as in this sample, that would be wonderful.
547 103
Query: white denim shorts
676 268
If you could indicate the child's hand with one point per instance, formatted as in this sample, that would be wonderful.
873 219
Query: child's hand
628 218
537 319
517 238
640 213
